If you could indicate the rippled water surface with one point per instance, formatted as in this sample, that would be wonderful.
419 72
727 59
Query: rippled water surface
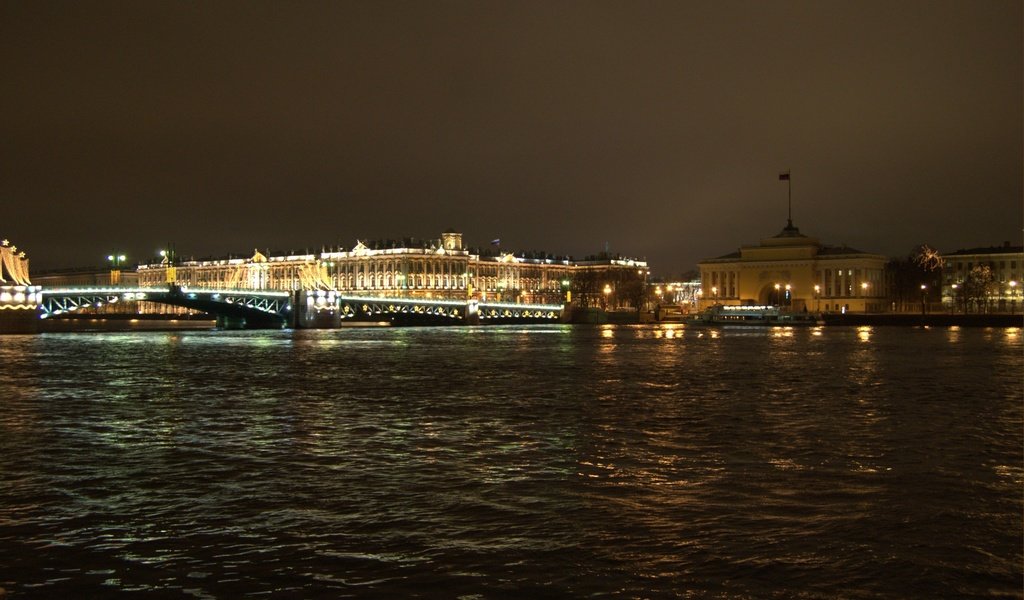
499 462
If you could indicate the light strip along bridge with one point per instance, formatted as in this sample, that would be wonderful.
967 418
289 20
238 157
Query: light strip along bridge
251 309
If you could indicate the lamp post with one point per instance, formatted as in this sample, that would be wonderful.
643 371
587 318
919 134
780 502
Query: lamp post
168 259
775 297
817 298
607 294
1013 297
952 298
116 260
714 292
924 298
789 295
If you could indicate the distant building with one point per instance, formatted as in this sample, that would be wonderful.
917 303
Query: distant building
441 269
103 277
1001 269
792 269
88 276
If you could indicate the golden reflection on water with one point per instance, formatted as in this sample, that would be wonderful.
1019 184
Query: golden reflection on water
1012 333
864 333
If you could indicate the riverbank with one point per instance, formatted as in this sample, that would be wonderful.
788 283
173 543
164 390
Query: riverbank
930 320
118 322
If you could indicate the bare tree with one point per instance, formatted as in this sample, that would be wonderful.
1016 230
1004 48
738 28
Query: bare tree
928 258
978 286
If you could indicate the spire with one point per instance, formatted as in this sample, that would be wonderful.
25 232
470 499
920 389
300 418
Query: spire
789 184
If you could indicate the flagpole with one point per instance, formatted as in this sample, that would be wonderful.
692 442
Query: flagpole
789 182
787 177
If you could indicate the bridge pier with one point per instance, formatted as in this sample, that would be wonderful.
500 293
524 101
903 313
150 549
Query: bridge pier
472 313
314 310
226 322
19 321
18 308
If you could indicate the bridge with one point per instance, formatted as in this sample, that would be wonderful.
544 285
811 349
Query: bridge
259 309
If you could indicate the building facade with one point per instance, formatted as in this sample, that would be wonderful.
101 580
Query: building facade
18 296
983 279
795 270
439 269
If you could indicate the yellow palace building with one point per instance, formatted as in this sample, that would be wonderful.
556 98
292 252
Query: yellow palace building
798 271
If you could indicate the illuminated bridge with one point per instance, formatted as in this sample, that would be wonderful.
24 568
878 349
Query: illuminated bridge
255 309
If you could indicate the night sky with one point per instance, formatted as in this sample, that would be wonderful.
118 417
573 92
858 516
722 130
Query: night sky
657 128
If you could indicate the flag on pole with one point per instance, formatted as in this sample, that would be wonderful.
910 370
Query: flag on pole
784 176
496 241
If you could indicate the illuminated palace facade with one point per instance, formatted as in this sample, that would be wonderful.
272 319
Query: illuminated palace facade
796 270
442 269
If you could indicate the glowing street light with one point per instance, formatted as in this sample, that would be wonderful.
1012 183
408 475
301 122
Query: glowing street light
1013 297
116 260
168 259
924 298
817 298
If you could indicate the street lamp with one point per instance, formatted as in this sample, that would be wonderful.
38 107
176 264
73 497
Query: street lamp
1013 297
924 298
116 260
952 298
607 293
714 292
168 260
775 298
817 298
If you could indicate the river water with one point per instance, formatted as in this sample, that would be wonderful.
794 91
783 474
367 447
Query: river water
498 462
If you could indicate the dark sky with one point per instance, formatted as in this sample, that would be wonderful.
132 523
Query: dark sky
659 128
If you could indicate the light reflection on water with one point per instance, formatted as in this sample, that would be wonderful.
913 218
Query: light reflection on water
509 461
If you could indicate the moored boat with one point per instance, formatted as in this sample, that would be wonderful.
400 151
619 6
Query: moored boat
755 316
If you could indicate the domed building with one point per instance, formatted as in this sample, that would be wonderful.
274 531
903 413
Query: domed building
795 270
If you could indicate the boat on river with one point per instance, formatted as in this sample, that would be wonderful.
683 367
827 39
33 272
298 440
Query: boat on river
755 316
